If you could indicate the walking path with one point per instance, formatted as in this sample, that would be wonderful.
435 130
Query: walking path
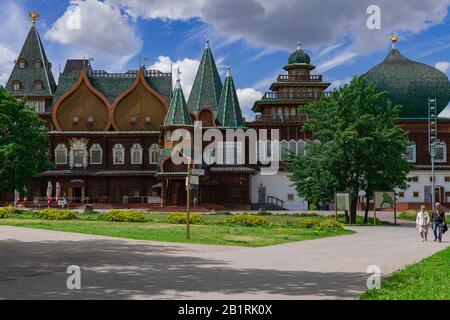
33 265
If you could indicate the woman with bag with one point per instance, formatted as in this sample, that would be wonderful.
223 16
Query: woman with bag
438 222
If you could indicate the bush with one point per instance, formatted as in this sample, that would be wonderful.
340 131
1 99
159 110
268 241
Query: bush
181 218
55 214
6 212
308 223
249 220
124 216
329 225
408 215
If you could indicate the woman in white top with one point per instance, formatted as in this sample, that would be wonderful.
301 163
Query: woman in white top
422 222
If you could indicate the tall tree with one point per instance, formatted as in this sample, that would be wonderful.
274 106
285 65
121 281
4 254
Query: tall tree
23 144
359 146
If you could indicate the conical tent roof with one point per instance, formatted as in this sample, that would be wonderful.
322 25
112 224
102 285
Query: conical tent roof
178 113
229 112
32 51
207 85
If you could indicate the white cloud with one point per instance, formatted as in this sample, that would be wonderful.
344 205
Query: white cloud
188 68
446 112
336 61
260 22
336 84
14 26
444 66
247 98
102 30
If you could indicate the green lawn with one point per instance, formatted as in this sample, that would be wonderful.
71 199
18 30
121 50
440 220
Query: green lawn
426 280
216 229
410 215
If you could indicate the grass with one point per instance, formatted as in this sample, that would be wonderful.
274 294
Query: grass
410 215
216 229
426 280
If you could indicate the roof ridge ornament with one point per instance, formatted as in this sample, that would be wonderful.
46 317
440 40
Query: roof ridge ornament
228 72
394 38
34 15
207 46
178 85
299 46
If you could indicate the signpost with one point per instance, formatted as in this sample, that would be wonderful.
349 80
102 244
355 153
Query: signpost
192 182
342 202
384 200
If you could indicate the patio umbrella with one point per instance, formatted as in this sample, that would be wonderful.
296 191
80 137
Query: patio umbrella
58 191
49 190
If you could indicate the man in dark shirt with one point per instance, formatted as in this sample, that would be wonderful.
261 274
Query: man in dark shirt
438 220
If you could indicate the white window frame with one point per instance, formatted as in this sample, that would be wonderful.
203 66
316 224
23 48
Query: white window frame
61 148
118 148
154 154
136 148
413 149
443 146
96 147
301 148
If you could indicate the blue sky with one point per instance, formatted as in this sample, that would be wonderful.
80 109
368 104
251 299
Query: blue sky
253 37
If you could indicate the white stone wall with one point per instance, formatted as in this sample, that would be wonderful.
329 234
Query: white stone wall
419 186
280 187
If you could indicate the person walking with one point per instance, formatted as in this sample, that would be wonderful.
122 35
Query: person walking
422 222
438 220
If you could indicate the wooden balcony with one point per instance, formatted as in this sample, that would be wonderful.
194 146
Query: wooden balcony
301 117
298 78
303 95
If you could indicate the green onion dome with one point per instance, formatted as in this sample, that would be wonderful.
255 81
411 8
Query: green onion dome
410 84
299 57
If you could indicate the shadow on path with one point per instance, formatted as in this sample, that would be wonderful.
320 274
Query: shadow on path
113 269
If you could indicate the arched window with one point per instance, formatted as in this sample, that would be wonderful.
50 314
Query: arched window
118 154
286 112
293 111
301 148
154 154
61 154
37 64
292 147
22 63
96 154
410 155
78 153
441 152
284 146
136 154
38 85
17 85
274 113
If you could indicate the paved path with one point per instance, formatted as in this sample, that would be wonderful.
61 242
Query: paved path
33 265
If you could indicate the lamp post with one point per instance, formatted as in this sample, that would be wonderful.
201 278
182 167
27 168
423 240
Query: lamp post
432 143
433 157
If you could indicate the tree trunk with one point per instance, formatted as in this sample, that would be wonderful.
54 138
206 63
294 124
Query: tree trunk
347 218
366 213
353 208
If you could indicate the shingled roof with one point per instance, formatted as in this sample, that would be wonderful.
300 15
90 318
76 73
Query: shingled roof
178 113
112 85
207 85
31 51
229 112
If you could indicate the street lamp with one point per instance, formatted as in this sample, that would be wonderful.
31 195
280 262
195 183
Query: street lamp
432 142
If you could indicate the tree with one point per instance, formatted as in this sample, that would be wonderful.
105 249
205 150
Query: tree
23 144
359 146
